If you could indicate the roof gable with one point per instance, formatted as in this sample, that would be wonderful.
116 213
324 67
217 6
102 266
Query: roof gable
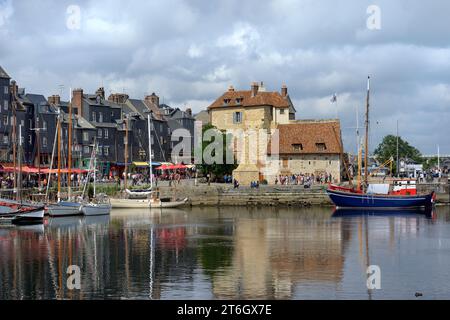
3 74
244 98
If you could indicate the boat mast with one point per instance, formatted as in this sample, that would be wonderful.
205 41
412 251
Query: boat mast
14 141
126 152
19 158
359 167
38 152
366 146
150 149
69 172
51 161
95 165
59 154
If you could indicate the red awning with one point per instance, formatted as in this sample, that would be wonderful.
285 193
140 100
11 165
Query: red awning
171 167
179 166
64 170
25 169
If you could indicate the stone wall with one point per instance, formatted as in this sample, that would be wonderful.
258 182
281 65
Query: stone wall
244 196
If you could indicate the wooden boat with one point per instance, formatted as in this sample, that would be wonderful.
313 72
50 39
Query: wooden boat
345 199
24 215
167 203
68 207
96 209
64 209
403 194
31 216
130 203
155 201
100 204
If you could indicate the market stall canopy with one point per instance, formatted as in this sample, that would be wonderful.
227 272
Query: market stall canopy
145 164
179 166
65 170
25 169
140 164
172 167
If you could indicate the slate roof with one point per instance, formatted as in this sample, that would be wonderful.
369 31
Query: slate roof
202 116
3 74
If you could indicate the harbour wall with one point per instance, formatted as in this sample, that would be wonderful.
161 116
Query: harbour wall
246 196
225 195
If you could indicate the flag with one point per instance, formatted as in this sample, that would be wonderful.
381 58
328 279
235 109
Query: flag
333 98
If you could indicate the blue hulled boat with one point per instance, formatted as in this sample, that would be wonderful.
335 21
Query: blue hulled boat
344 199
401 195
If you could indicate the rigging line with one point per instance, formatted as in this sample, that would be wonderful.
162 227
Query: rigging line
159 143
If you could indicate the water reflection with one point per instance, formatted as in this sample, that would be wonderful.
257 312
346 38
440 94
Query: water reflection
215 253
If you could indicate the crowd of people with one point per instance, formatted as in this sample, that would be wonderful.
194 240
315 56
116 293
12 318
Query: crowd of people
306 179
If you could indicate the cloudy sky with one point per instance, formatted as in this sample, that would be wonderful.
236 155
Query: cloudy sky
189 52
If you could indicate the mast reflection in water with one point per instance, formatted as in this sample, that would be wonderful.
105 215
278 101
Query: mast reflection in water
231 253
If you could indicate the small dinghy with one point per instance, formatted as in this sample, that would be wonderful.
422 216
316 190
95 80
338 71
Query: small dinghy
99 207
24 215
138 194
167 203
64 209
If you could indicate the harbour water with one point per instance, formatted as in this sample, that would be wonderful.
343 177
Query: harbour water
229 253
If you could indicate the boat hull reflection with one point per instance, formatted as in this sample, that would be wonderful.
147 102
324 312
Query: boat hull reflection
342 212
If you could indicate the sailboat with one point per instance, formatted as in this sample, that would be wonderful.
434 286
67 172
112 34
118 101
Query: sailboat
64 208
155 201
100 204
376 196
18 212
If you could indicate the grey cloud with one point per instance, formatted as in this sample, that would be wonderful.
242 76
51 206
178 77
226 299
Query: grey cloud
190 51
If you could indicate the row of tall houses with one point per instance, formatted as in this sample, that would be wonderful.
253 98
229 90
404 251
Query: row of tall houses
108 121
274 143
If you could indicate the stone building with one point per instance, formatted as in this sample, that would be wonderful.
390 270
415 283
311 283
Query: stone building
308 147
268 141
251 115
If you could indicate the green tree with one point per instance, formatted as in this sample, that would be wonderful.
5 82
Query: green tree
430 163
388 148
217 169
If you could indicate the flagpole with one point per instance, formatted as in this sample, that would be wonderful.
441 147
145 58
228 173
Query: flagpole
439 162
337 110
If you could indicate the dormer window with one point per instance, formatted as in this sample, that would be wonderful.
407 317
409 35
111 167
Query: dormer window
238 100
321 146
226 101
297 147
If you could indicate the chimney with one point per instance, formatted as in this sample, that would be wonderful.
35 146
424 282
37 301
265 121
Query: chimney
284 91
100 92
230 88
118 98
154 99
14 88
254 88
77 101
189 111
54 100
